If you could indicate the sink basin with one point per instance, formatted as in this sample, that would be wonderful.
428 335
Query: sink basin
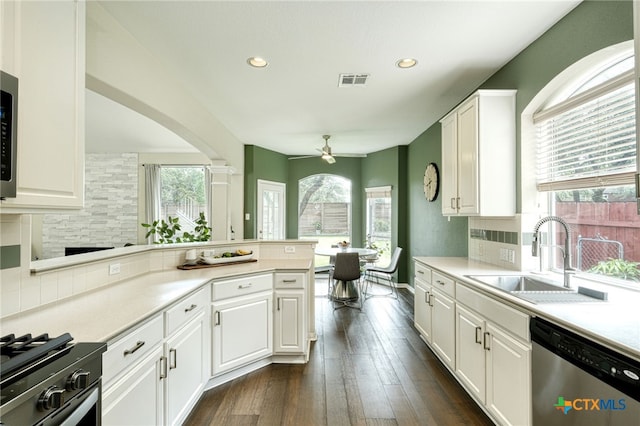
537 290
519 283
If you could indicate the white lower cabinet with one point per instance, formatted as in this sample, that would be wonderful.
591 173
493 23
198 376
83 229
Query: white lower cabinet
136 399
485 343
242 324
154 374
421 304
185 372
443 317
494 367
434 310
508 378
289 319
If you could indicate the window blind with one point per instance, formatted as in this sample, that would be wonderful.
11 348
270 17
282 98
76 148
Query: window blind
378 192
588 140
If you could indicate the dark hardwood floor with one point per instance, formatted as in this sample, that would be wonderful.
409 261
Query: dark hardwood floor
366 368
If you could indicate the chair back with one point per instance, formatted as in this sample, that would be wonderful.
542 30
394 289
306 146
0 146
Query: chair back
393 265
347 267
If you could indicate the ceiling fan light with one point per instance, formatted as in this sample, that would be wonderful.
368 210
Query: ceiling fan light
328 158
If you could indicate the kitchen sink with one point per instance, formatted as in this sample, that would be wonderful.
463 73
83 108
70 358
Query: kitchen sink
537 290
519 283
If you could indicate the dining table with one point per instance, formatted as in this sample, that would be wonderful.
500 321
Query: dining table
332 251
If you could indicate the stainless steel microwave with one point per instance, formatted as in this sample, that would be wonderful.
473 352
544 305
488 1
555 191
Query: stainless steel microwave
8 134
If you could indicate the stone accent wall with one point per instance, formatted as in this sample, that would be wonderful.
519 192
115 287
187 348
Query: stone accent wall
110 216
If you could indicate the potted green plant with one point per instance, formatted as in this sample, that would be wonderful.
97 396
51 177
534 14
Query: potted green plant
168 232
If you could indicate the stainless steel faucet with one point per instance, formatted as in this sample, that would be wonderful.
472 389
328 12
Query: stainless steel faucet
568 270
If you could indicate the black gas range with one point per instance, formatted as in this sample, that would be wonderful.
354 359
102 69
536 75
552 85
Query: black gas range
49 380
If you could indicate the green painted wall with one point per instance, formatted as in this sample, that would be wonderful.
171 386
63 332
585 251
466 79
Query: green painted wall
431 234
260 163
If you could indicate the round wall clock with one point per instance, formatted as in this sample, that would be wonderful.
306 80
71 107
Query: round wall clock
431 182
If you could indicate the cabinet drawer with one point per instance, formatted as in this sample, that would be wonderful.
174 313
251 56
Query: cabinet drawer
505 316
290 280
443 283
184 310
131 348
423 273
241 286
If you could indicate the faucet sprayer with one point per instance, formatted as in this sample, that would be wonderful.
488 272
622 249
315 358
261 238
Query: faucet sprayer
568 270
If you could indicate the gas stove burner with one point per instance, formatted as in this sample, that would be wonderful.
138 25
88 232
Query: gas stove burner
25 351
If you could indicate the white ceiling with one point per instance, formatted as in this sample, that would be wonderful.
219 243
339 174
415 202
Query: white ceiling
290 104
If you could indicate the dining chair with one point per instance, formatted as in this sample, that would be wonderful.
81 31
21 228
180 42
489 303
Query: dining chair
345 289
378 273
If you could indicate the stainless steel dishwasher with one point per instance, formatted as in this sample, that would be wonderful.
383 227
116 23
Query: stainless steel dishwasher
576 381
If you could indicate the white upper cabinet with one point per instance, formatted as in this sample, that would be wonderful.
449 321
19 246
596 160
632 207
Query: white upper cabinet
478 156
43 45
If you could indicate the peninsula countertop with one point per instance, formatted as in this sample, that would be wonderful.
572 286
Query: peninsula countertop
614 323
102 314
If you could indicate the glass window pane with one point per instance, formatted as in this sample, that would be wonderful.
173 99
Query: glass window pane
183 194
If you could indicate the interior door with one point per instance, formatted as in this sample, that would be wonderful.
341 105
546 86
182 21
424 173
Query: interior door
271 210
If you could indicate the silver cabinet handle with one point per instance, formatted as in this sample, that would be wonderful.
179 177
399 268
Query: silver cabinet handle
421 272
241 286
458 203
478 340
190 308
452 206
431 297
440 282
163 367
486 341
138 345
426 297
217 314
290 281
173 364
278 303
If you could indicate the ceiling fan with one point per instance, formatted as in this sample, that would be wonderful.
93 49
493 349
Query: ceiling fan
326 152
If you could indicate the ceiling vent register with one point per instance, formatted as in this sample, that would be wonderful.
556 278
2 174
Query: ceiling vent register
353 80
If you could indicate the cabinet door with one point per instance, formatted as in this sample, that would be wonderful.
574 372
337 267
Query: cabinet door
289 321
468 157
470 352
422 309
185 352
449 168
444 327
242 330
49 60
136 399
508 378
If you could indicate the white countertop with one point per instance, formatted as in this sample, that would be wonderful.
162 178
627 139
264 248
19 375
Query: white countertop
615 323
102 314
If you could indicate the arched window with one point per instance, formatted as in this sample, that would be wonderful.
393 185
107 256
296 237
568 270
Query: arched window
585 163
324 210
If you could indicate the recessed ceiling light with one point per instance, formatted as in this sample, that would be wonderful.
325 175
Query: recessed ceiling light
257 62
406 63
